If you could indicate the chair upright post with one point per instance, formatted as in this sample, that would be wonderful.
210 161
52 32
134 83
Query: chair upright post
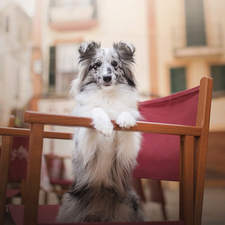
201 143
4 168
187 179
33 174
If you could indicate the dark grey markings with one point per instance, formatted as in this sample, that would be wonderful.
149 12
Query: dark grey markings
126 56
90 82
89 51
109 71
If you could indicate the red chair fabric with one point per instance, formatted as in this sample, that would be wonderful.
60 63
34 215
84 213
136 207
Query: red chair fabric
159 155
18 159
12 193
57 171
48 213
18 163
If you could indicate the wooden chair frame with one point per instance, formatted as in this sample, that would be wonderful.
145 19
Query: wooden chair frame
193 148
7 135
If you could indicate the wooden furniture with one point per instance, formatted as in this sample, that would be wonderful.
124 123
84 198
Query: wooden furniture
13 192
193 148
11 124
7 135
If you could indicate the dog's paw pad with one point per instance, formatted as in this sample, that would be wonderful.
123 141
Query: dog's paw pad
126 120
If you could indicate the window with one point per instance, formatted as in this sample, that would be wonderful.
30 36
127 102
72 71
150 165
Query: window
62 67
177 79
52 69
195 23
218 75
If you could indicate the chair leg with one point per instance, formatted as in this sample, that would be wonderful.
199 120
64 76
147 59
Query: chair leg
4 166
187 179
33 174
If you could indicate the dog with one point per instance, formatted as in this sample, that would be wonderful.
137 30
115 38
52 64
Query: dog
105 89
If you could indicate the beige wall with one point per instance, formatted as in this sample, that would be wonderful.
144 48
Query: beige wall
116 22
170 33
15 81
120 22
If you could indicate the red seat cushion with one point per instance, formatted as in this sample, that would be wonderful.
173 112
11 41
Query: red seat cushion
159 154
64 183
12 193
48 213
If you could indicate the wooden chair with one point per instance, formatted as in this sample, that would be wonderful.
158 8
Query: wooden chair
7 141
191 170
13 192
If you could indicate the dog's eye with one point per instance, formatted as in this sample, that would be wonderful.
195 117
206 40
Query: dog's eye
114 63
98 64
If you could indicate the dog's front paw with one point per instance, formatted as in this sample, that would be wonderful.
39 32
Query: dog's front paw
102 122
126 120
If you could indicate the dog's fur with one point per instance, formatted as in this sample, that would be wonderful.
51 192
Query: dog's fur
103 159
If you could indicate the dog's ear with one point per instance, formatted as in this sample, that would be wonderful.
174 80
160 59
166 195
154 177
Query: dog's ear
125 51
87 50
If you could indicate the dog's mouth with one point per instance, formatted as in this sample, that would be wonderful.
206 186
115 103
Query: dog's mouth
107 84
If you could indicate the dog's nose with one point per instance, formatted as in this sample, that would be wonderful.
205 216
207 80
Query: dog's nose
107 78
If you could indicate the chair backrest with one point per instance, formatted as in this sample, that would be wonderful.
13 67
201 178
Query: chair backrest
160 153
193 146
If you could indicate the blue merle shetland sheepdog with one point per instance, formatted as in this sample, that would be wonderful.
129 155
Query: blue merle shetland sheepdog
103 159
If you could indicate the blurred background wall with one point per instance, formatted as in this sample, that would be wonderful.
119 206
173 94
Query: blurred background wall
177 43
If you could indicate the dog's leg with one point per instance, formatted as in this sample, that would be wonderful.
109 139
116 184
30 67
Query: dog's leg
101 121
126 120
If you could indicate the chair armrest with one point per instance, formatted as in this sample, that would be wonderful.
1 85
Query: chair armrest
26 133
62 120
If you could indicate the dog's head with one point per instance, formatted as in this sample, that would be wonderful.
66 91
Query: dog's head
106 67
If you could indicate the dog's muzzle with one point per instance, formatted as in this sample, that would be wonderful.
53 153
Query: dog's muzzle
107 78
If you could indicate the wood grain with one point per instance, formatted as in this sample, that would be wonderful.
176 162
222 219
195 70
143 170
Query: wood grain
26 133
201 144
187 180
4 168
33 174
160 128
